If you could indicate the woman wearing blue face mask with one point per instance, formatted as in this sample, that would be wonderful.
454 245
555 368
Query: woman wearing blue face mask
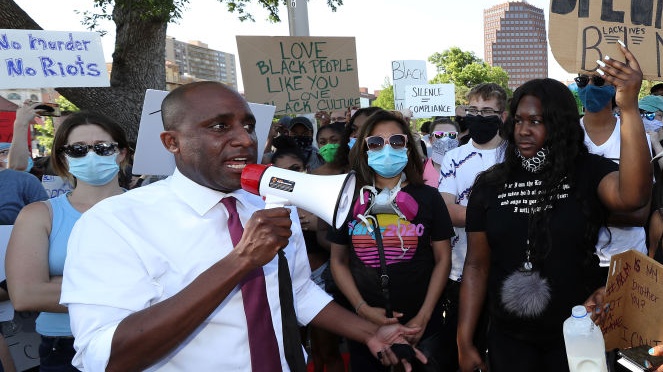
392 256
88 149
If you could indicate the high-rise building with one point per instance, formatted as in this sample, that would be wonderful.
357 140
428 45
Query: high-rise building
515 39
196 61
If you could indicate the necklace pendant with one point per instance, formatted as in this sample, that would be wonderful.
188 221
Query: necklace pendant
527 266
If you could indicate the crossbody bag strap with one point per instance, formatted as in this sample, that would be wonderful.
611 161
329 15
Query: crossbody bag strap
384 277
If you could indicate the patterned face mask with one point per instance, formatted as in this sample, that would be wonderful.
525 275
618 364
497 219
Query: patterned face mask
536 163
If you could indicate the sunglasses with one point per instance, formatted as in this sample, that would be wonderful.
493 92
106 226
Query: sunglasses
583 80
648 115
440 134
396 141
79 150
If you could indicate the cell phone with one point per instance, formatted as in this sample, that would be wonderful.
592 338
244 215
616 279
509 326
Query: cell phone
638 359
48 109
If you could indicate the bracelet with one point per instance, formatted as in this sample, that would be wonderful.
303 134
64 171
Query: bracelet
362 303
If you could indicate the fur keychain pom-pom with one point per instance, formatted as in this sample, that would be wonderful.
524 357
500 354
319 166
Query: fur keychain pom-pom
525 294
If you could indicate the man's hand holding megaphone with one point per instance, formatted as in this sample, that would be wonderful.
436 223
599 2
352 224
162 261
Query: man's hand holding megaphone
265 233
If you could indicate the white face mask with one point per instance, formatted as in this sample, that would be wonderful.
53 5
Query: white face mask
652 125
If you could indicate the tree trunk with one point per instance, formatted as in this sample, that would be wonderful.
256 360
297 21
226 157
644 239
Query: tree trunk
138 64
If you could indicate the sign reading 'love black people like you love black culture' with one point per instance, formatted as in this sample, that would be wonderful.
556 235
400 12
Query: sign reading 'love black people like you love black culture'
300 74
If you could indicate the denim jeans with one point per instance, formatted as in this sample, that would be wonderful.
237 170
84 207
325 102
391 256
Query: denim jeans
56 353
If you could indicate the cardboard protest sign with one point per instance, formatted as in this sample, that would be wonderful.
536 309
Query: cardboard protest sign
153 159
300 74
404 73
584 31
430 100
42 59
635 295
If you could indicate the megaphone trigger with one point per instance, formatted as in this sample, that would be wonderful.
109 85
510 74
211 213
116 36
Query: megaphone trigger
328 197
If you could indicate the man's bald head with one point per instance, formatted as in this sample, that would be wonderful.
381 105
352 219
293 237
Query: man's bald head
175 105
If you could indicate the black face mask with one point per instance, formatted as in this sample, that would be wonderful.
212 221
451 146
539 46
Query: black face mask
304 142
483 128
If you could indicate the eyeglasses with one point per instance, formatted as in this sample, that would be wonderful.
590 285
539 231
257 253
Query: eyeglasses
440 134
583 80
396 141
648 115
79 150
483 112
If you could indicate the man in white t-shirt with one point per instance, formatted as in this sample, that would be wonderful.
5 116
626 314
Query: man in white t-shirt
460 166
602 137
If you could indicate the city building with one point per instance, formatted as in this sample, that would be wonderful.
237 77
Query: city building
515 39
197 62
365 98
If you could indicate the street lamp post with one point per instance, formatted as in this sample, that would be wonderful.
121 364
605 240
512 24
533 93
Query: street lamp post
298 17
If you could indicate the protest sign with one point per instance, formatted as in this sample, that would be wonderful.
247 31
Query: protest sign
430 100
635 296
300 74
18 328
584 31
42 59
55 185
153 159
6 308
404 73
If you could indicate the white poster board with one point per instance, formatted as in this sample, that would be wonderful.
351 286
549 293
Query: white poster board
404 73
55 185
6 308
50 59
430 100
17 327
153 159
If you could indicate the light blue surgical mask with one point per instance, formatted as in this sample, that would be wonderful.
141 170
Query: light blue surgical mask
387 162
94 169
596 98
30 164
352 142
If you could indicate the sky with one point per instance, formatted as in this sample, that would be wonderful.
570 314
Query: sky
385 30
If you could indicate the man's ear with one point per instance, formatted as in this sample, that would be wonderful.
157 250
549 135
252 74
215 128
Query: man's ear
505 114
170 141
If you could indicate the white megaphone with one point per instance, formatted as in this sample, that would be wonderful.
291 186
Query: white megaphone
328 197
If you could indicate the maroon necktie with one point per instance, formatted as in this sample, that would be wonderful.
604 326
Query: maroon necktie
264 349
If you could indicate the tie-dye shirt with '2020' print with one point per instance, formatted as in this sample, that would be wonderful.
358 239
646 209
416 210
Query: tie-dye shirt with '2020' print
409 268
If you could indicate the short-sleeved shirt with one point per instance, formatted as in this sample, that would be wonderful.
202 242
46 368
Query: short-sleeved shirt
409 268
458 171
615 239
17 189
502 212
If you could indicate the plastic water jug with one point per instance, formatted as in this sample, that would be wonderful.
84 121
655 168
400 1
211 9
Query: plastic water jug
585 347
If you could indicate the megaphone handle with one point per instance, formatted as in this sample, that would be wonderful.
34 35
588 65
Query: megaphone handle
275 202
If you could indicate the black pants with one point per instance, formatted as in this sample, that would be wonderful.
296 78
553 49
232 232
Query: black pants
508 354
448 345
56 353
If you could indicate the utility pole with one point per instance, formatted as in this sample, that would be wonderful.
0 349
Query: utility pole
298 17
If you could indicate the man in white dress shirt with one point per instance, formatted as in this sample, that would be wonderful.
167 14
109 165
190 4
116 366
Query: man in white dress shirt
152 279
